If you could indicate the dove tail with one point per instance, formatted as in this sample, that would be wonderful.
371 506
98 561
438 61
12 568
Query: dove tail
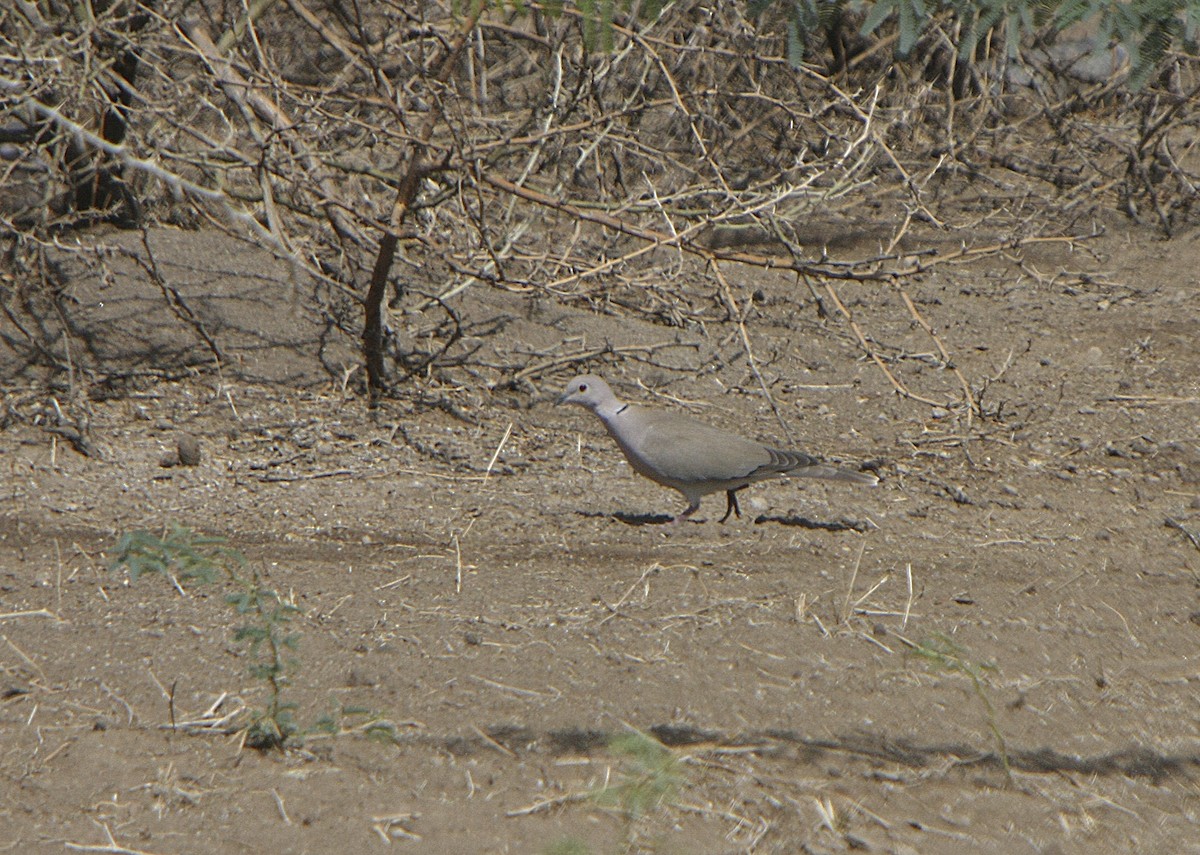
835 474
797 463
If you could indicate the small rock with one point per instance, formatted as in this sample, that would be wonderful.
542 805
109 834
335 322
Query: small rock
168 460
939 412
189 449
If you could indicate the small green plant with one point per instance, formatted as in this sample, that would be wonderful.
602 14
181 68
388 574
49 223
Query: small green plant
945 655
650 775
183 554
361 720
568 846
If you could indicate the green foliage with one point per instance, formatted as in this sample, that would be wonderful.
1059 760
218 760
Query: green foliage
567 846
273 726
183 554
1012 17
597 18
912 18
342 719
805 19
943 654
947 655
976 18
650 775
1147 29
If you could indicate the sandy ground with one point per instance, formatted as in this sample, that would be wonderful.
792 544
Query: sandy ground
499 624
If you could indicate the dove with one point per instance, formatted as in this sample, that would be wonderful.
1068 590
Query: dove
687 455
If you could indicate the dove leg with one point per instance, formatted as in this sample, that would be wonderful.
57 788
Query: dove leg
693 506
731 504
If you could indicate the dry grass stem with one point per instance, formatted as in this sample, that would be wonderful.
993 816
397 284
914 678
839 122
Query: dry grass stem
279 806
1132 638
496 453
516 690
847 608
1193 537
24 658
909 600
491 743
29 613
458 565
615 609
111 847
548 804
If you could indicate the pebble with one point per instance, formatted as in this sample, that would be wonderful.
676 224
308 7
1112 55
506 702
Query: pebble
189 449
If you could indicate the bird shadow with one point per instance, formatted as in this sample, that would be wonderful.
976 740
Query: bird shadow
629 519
843 524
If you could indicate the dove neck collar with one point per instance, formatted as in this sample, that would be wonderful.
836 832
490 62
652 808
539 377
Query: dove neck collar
609 411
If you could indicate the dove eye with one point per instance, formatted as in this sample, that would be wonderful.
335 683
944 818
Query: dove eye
583 387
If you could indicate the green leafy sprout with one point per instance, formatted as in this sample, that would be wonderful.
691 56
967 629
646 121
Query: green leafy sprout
650 776
183 554
943 654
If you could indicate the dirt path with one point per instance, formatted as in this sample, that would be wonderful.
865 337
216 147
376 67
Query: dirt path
499 628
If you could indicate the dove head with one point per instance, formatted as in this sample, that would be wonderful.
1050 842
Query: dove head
592 392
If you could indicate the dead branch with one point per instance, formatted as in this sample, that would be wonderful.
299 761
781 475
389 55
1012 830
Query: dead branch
500 149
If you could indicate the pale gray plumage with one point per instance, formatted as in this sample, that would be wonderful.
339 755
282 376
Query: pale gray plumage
689 456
